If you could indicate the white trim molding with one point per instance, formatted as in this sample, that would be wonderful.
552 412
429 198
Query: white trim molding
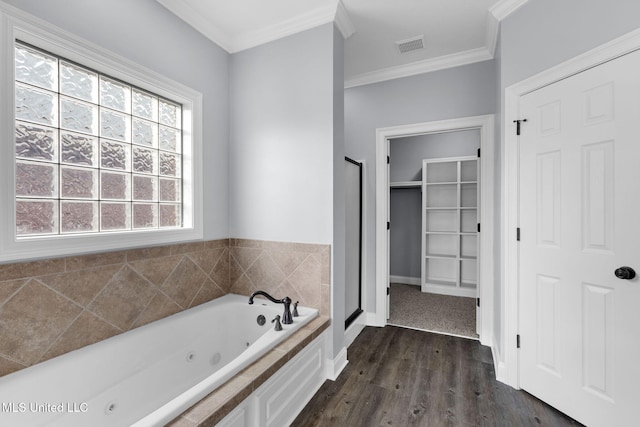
420 67
509 309
331 12
353 331
486 125
415 281
504 8
336 365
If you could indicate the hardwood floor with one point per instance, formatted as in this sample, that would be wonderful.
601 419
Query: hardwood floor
404 377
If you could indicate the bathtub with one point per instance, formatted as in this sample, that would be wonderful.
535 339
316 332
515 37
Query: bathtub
147 376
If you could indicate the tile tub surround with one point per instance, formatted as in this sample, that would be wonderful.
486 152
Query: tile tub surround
215 406
51 307
299 270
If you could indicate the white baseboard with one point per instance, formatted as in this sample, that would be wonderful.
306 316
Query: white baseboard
336 365
353 331
373 319
498 365
406 280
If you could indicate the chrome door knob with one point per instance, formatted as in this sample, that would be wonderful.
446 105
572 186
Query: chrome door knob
625 273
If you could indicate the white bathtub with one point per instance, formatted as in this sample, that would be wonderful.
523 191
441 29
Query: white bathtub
147 376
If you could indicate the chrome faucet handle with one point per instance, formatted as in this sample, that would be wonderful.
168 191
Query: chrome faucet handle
295 309
278 326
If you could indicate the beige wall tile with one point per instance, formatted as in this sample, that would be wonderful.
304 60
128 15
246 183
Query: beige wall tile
8 366
220 243
81 285
85 330
184 282
32 320
159 307
119 290
207 259
243 286
265 274
146 253
157 270
288 261
207 292
30 269
123 299
184 248
220 274
95 260
245 256
9 287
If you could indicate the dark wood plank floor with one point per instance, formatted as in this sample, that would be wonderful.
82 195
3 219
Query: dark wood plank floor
403 377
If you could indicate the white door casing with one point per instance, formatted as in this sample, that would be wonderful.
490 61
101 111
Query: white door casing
505 351
579 187
486 126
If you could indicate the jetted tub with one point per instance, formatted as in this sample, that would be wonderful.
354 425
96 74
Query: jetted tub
150 375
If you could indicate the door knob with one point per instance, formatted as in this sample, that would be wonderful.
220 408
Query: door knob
625 273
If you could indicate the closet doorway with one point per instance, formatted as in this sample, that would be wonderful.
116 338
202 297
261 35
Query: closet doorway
433 244
460 263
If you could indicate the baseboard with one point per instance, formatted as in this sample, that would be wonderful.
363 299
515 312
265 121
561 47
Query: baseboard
373 319
336 365
498 365
353 331
405 280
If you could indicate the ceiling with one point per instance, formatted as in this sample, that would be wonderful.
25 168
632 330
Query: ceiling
455 32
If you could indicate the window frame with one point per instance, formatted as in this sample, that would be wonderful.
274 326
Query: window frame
17 25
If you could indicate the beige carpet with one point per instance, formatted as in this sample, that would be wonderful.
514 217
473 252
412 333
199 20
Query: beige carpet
431 312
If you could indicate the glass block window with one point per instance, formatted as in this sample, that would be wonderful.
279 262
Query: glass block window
93 154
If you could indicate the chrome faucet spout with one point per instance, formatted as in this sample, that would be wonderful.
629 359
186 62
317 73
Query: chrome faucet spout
287 319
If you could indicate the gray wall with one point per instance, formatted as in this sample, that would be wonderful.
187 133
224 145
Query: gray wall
286 163
281 146
148 34
545 33
405 239
458 92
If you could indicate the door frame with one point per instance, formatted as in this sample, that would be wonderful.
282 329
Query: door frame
486 285
506 353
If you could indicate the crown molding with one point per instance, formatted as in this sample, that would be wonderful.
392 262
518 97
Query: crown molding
194 19
491 33
343 21
297 24
504 8
334 11
420 67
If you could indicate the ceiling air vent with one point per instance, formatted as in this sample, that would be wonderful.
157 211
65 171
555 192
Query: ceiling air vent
409 45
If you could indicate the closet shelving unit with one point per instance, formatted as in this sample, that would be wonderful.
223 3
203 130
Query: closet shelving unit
449 226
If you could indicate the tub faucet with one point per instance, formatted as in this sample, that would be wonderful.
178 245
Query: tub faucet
278 326
286 317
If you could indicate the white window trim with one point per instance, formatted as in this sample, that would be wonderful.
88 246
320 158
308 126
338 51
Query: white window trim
16 24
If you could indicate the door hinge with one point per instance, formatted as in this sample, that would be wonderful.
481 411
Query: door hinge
518 341
388 159
517 122
478 227
388 225
518 234
478 152
478 302
388 291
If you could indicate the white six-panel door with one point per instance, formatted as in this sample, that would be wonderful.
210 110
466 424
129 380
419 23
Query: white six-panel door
580 221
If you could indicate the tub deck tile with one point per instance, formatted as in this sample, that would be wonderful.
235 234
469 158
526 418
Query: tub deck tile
214 407
222 400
